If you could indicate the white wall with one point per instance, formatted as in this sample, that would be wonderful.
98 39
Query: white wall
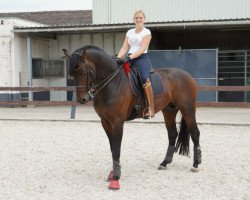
120 11
6 48
13 58
20 60
13 51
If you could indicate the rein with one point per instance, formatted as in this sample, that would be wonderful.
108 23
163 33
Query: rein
92 92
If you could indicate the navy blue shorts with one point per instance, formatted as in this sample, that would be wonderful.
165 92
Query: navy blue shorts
143 64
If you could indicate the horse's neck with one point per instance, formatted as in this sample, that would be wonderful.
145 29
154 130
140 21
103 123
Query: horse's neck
114 89
104 67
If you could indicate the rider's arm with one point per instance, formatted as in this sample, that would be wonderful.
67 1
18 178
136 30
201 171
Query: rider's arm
124 49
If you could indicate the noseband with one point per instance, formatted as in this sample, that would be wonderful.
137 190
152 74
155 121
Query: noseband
89 73
91 88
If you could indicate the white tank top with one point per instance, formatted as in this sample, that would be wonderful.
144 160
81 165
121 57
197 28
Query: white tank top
134 39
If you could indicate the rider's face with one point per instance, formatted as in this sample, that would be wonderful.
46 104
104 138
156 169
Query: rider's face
139 19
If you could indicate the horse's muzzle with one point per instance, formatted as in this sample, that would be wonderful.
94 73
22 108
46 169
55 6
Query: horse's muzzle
85 99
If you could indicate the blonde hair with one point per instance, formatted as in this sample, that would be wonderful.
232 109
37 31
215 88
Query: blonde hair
139 11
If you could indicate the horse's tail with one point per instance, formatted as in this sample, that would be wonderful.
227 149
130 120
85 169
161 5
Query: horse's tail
183 139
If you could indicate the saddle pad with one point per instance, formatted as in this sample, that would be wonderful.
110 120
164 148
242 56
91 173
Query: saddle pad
136 82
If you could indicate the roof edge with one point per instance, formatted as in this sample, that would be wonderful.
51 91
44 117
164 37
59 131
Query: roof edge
154 25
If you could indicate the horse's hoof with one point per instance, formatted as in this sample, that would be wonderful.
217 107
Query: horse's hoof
194 169
162 167
111 176
114 185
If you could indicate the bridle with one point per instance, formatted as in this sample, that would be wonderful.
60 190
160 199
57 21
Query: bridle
90 75
92 88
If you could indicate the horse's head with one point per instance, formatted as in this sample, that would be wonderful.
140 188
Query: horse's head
82 74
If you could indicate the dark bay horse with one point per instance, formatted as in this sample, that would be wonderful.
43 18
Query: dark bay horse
96 74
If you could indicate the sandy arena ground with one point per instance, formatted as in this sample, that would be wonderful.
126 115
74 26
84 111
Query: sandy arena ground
55 160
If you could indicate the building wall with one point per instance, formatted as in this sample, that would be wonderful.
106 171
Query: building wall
13 56
120 11
109 42
11 51
39 50
21 68
6 47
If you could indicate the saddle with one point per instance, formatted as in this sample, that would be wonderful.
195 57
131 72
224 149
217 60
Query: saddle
136 86
136 83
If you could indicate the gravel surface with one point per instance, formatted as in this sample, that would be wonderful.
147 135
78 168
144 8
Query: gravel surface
51 160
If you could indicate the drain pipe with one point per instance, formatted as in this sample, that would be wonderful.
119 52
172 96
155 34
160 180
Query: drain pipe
29 63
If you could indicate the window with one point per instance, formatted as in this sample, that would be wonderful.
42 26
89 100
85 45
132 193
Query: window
51 68
37 68
54 68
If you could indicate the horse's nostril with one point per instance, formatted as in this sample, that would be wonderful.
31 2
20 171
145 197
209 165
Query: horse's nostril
83 100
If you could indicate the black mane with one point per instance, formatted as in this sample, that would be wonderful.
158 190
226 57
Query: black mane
88 47
76 54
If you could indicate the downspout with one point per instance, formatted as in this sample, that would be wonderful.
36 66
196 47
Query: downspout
29 64
12 67
12 63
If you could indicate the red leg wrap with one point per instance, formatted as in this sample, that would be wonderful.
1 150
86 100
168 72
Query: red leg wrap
114 185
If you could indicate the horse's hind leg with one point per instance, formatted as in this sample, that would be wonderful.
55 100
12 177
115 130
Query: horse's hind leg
190 120
170 123
195 135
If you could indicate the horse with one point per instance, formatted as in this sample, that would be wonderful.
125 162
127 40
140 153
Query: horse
100 78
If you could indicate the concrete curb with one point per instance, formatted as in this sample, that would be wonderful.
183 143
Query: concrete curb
131 122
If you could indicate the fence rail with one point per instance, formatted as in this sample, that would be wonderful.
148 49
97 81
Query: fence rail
72 88
223 88
38 89
39 103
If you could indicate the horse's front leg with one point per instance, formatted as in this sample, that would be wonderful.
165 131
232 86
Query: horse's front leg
116 151
109 132
114 133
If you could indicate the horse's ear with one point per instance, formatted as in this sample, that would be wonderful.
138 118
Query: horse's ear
82 52
67 54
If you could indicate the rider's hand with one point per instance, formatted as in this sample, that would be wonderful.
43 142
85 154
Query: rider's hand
118 60
121 61
126 59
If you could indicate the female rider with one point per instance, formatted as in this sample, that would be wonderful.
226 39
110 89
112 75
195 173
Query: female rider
136 45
